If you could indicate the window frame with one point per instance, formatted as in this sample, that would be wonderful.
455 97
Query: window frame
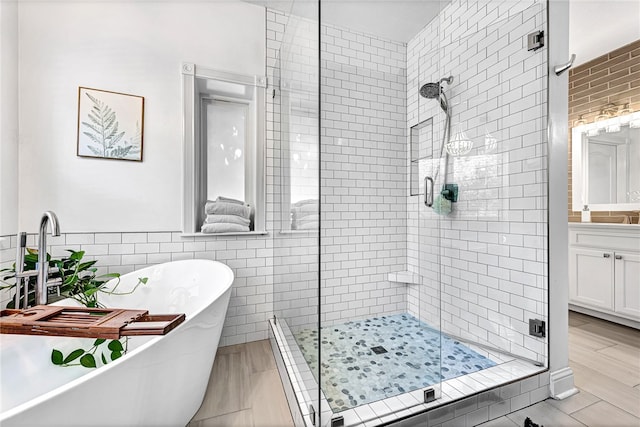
195 164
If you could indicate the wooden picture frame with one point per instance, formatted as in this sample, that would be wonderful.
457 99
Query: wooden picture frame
110 125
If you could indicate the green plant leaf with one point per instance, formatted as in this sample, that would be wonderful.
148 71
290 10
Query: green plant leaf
91 291
116 355
77 256
88 361
115 345
56 357
73 356
104 359
144 280
98 342
86 265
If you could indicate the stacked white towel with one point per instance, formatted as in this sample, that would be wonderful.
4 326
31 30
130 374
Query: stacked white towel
225 215
305 215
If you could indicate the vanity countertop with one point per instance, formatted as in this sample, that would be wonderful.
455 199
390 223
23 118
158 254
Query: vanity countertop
607 225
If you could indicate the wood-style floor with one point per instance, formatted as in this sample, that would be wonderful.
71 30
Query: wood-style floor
245 389
605 359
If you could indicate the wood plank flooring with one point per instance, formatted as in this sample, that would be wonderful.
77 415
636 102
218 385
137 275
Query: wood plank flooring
605 359
245 388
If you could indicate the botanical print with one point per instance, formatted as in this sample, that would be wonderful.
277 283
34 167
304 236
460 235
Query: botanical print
110 124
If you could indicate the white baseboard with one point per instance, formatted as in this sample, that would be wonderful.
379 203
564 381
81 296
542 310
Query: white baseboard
561 384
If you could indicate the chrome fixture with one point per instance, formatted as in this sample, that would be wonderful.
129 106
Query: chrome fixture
559 69
43 265
42 270
428 191
22 286
435 91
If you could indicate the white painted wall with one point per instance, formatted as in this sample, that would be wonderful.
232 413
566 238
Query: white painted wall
8 118
597 27
136 48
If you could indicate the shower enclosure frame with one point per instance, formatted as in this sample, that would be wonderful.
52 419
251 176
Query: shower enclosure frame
563 382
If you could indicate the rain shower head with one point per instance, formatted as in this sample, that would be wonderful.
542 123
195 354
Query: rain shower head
430 90
434 91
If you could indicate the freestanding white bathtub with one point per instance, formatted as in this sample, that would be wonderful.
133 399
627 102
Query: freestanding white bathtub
161 380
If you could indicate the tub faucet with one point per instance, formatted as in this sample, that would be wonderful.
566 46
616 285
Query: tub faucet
43 283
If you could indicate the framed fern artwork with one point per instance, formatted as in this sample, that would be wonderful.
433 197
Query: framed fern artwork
110 124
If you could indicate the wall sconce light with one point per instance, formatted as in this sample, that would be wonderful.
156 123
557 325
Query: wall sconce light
581 121
610 119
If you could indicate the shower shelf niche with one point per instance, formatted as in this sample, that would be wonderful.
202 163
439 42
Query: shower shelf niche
404 277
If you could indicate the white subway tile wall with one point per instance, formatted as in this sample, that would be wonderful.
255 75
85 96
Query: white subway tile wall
250 258
492 248
364 174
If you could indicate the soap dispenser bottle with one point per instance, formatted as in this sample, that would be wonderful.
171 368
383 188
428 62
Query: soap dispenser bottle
586 214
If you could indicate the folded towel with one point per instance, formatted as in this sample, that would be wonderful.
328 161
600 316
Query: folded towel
230 219
223 227
305 210
226 208
305 202
308 218
312 225
230 200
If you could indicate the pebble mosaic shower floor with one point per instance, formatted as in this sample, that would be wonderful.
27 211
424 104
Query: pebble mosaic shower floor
379 357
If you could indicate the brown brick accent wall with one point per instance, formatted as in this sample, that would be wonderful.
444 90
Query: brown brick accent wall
611 78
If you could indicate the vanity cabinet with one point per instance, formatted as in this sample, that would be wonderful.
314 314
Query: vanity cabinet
604 270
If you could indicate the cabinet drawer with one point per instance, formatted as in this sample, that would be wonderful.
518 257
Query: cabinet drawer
589 238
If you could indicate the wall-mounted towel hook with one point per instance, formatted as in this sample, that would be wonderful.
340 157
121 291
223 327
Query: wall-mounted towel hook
559 69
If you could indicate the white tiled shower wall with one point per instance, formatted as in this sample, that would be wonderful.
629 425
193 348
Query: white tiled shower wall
492 248
364 174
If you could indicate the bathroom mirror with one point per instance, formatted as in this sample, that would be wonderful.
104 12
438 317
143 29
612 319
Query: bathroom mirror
606 164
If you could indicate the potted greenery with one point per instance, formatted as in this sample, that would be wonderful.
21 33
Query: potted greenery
80 282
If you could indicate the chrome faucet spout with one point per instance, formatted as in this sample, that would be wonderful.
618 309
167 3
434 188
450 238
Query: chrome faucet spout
43 264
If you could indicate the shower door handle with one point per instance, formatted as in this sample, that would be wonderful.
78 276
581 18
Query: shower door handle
428 191
559 69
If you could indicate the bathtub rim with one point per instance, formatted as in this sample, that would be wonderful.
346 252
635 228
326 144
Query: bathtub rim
16 410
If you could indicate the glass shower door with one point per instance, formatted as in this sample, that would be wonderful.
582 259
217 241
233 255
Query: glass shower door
429 126
294 171
482 255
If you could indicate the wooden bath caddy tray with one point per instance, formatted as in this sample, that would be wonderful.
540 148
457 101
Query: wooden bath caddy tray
108 323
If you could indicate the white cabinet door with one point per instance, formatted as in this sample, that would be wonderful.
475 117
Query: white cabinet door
627 284
591 277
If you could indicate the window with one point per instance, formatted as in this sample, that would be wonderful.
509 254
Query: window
223 143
